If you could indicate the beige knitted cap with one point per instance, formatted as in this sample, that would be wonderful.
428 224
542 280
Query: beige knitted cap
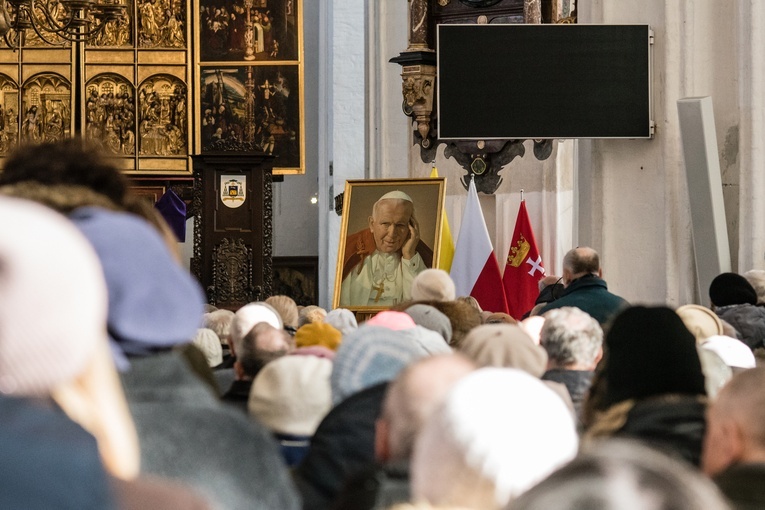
53 299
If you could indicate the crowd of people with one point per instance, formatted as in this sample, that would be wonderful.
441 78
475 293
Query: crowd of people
120 387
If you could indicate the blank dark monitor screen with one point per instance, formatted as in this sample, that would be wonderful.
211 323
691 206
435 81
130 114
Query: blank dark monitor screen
543 81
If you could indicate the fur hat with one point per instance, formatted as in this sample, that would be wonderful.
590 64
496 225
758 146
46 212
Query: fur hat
342 319
499 318
498 432
734 352
53 300
731 289
318 333
154 303
650 352
369 356
700 320
209 344
430 318
291 395
504 345
433 285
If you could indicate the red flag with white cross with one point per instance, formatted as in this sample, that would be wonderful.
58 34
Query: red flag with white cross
524 267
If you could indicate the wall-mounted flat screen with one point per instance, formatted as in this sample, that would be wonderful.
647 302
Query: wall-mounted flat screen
544 81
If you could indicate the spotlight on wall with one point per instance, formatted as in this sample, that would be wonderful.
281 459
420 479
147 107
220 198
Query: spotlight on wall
315 198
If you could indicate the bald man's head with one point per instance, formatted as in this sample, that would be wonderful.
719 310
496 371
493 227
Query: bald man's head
412 398
579 262
736 423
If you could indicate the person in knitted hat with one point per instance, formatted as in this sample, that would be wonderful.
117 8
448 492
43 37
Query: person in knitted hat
369 356
155 305
462 316
342 319
734 300
433 285
650 384
429 317
53 336
474 453
380 262
320 334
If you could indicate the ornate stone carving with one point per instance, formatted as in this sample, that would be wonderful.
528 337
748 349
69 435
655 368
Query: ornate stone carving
232 273
418 90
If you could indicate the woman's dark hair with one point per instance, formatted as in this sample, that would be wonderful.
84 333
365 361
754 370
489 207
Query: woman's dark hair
73 162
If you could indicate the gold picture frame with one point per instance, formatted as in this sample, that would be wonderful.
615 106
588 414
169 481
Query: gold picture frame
362 248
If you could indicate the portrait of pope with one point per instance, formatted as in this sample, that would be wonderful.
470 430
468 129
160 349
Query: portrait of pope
380 261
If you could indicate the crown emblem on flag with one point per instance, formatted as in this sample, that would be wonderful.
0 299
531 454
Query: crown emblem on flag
518 253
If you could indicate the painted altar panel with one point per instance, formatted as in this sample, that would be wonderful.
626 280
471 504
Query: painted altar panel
249 70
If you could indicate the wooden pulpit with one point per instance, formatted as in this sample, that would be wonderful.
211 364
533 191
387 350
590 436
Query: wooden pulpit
233 227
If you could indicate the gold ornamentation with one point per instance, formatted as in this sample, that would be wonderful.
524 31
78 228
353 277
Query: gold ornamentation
47 109
110 114
162 128
161 24
519 252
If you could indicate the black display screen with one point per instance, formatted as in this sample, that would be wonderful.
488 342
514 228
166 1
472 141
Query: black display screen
543 81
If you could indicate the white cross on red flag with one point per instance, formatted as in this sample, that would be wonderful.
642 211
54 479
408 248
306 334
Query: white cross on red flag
523 268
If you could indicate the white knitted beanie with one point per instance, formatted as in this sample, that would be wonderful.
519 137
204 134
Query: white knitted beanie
53 299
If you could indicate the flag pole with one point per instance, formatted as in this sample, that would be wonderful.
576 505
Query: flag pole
521 194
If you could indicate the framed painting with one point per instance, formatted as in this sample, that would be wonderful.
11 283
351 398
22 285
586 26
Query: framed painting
390 233
249 30
253 108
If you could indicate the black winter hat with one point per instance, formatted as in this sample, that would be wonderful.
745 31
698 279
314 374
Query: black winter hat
731 289
650 352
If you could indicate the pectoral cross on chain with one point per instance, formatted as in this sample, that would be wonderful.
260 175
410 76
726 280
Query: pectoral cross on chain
380 289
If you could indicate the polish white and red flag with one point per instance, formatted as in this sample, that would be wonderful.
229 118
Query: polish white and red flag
475 270
524 268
